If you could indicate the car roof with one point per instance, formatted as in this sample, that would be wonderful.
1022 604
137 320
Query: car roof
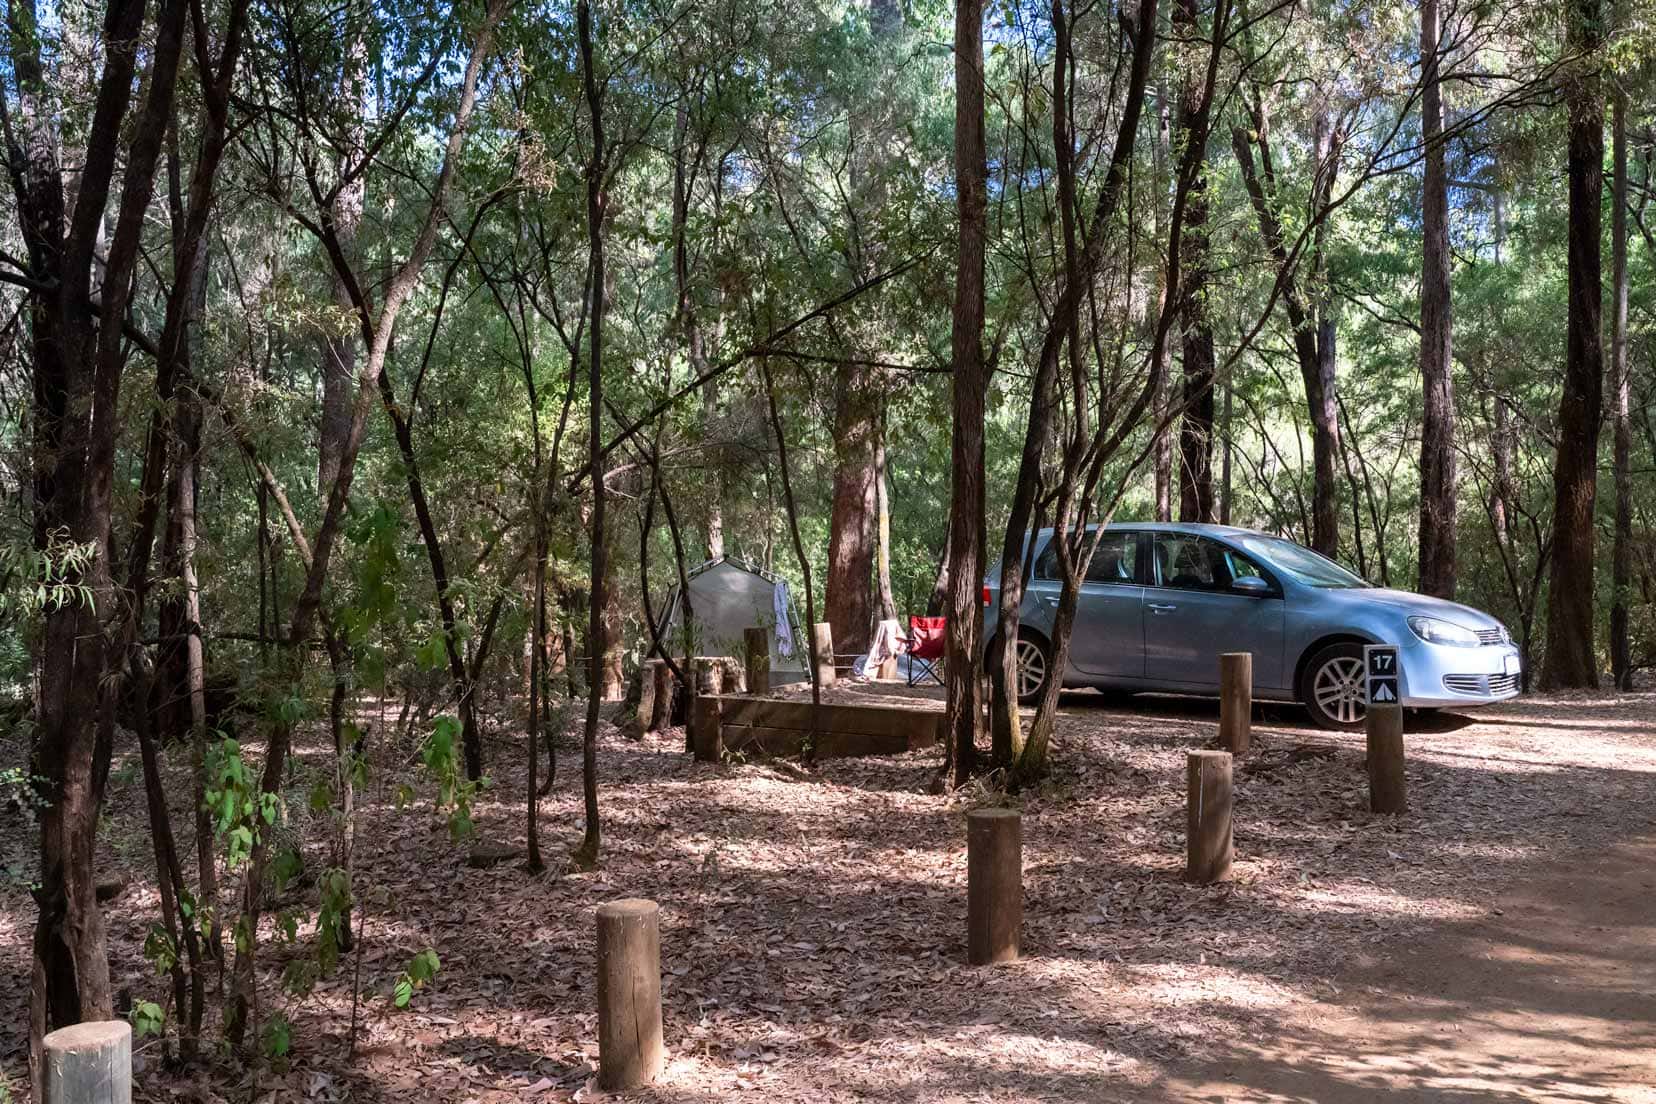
1195 527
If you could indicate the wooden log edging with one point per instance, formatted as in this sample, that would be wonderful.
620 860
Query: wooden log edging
1209 847
779 727
994 885
1236 701
630 1049
88 1063
1388 791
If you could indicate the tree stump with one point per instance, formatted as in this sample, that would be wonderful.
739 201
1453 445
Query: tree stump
1388 792
756 643
709 675
707 726
822 634
1208 844
630 1050
994 885
88 1063
1235 701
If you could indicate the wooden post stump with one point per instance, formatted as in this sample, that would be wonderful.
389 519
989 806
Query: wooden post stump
661 697
708 674
1236 701
1388 792
823 636
994 885
88 1063
756 643
630 1051
645 712
708 725
1208 844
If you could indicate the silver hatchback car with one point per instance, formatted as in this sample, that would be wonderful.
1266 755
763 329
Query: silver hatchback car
1163 601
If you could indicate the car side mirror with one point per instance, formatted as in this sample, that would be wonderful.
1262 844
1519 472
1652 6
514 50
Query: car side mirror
1251 584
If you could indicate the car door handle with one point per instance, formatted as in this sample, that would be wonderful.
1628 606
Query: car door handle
1161 607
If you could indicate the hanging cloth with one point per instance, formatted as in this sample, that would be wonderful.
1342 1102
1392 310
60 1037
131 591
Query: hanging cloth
784 628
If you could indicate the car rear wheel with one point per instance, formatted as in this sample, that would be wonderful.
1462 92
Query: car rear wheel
1034 666
1333 688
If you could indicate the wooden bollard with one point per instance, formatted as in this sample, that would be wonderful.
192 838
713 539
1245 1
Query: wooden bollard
629 993
994 885
822 635
756 645
708 723
1388 793
88 1063
1208 844
645 712
1235 701
709 674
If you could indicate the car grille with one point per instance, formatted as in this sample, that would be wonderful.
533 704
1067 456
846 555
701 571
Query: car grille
1483 686
1486 637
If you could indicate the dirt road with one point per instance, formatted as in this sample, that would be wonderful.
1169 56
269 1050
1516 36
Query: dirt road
1552 997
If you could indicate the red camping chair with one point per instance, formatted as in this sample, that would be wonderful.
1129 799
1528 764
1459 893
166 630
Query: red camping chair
926 645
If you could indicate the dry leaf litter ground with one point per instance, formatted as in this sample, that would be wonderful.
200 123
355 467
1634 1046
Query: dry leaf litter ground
813 930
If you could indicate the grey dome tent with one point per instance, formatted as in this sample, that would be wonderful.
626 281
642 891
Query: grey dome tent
729 595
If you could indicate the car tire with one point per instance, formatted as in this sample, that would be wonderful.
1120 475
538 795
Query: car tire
1034 667
1332 688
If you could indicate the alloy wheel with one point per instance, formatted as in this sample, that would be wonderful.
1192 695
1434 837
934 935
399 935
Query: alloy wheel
1339 691
1032 668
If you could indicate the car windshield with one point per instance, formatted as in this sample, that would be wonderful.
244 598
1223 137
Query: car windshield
1302 564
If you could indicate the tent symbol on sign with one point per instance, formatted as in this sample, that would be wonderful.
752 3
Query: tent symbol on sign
1383 691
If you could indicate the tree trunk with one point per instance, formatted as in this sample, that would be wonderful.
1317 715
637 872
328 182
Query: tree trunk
339 346
882 532
1225 458
847 598
1168 427
1437 433
1196 427
77 367
587 855
969 386
1621 553
1570 660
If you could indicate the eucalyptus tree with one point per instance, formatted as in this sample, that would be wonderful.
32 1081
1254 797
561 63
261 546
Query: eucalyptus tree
1570 659
81 278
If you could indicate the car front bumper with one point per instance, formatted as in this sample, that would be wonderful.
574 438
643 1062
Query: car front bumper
1437 677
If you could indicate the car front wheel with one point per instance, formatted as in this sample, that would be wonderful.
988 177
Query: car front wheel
1333 687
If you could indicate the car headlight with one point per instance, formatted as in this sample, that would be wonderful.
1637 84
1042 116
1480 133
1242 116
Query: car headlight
1434 631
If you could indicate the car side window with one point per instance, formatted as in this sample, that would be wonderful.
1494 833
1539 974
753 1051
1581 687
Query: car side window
1185 562
1238 566
1116 560
1188 562
1046 567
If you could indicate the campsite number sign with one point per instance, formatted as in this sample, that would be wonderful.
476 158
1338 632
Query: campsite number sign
1380 664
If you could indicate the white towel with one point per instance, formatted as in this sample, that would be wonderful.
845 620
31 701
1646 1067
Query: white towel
888 642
